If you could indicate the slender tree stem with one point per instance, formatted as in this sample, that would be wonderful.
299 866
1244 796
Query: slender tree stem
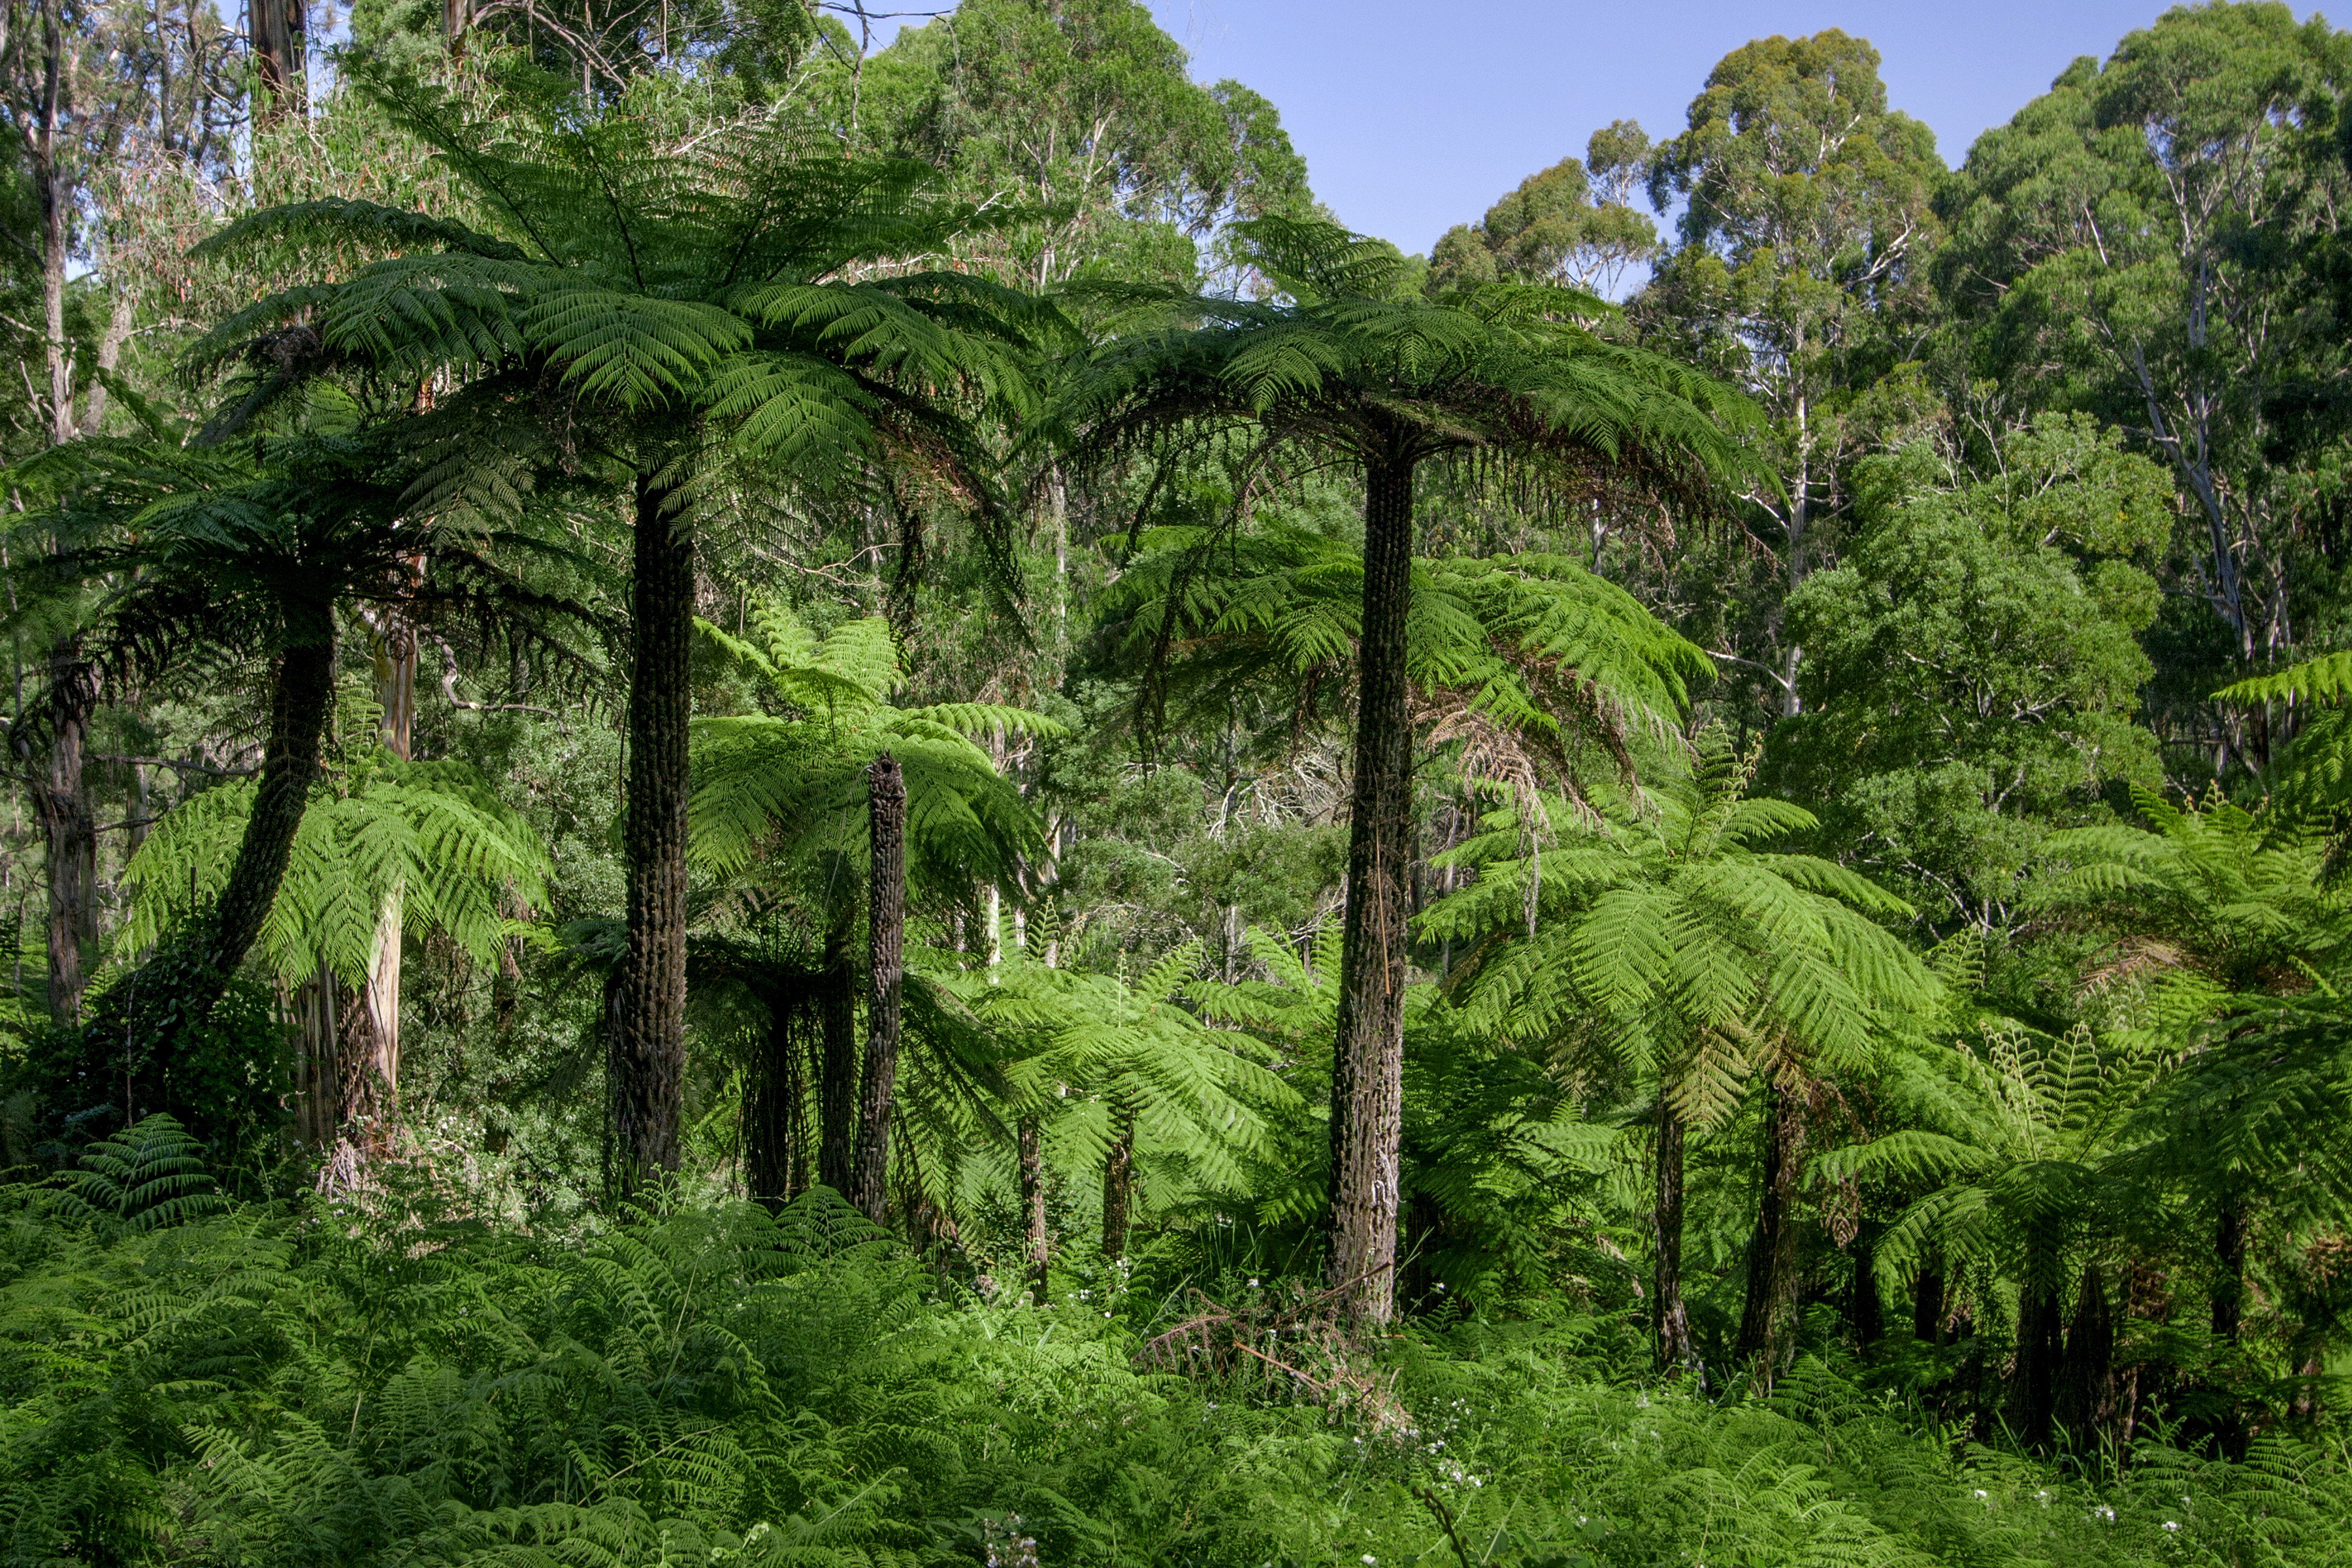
886 793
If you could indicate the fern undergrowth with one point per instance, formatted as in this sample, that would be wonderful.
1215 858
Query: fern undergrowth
186 1380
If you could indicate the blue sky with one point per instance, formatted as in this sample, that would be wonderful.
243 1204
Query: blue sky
1414 117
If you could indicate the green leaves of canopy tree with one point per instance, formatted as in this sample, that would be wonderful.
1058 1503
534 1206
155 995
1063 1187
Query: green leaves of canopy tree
1084 111
1341 362
1798 274
1975 669
2123 246
658 300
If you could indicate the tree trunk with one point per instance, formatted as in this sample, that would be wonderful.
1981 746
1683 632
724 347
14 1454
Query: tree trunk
772 1121
2229 1268
395 694
2089 1404
649 1024
278 55
1119 1183
1037 1250
2039 1352
1927 1305
887 914
1367 1069
63 799
301 700
457 21
1767 1318
1869 1316
836 1148
53 190
1669 1324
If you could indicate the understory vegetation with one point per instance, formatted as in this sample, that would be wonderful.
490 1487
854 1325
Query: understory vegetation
783 798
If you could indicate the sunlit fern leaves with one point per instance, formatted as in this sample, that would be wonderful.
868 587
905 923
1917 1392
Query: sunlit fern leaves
463 864
151 1173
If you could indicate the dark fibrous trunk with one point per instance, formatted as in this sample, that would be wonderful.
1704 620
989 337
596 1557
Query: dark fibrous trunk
2229 1268
63 799
1869 1318
1768 1317
1669 1324
2039 1346
301 700
1038 1248
772 1109
1927 1305
649 1013
2089 1401
886 916
1367 1072
1119 1184
838 1073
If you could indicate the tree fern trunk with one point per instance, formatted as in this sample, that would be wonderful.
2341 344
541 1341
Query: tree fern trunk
1367 1091
302 699
838 1073
1927 1304
1669 1323
885 794
649 1021
1119 1183
1767 1319
62 798
2229 1266
771 1120
2089 1402
1038 1248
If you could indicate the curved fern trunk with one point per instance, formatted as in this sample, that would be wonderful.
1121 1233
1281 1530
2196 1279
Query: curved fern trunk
885 794
1669 1323
648 1046
1367 1068
63 800
838 1072
301 700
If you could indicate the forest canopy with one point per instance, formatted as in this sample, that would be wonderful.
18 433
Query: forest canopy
797 799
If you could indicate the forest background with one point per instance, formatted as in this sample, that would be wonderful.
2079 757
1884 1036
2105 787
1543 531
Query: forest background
1869 1056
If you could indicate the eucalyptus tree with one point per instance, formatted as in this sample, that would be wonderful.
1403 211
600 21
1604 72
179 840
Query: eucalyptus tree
1800 274
665 302
2125 243
1667 942
1341 359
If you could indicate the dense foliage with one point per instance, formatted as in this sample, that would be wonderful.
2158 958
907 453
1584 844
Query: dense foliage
789 802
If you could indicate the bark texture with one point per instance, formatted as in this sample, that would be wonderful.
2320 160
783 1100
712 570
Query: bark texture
301 700
63 800
1768 1317
278 55
1037 1245
2088 1402
1669 1323
838 1073
1119 1184
886 793
1367 1089
648 1049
